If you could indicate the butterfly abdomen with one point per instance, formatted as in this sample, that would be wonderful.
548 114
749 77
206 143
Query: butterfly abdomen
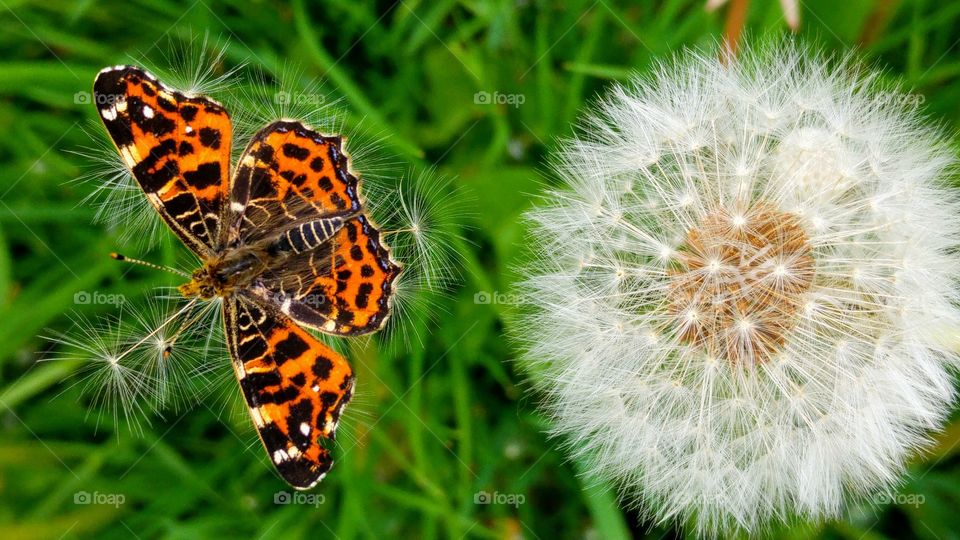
306 236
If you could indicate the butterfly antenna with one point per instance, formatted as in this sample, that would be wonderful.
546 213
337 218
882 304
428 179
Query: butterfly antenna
119 257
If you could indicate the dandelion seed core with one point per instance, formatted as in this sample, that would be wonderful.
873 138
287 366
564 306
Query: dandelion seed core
738 282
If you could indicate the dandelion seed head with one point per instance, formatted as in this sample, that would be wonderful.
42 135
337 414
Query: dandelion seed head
784 248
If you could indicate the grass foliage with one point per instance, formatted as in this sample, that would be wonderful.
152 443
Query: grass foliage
476 91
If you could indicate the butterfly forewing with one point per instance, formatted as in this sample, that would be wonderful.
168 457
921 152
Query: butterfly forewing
295 387
177 147
289 173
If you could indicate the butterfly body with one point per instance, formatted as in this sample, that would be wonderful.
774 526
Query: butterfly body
284 242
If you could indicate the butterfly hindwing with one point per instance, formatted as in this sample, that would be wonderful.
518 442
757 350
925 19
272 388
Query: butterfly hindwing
343 287
177 146
295 387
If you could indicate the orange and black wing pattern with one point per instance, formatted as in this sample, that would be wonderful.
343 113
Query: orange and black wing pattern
294 191
295 387
177 146
289 174
343 287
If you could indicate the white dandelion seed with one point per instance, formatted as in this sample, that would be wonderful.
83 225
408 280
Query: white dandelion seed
194 65
286 93
181 352
162 355
116 199
745 307
107 375
422 220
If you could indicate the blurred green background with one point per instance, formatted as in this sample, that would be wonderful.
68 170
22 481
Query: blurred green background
441 420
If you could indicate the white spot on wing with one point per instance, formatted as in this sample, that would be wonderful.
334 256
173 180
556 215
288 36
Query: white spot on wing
305 428
147 111
235 206
109 114
279 456
188 129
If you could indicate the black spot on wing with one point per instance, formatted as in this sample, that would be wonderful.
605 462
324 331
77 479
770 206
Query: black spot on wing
210 137
300 413
296 152
356 253
154 171
264 153
255 385
322 367
283 395
206 175
290 348
363 295
188 112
